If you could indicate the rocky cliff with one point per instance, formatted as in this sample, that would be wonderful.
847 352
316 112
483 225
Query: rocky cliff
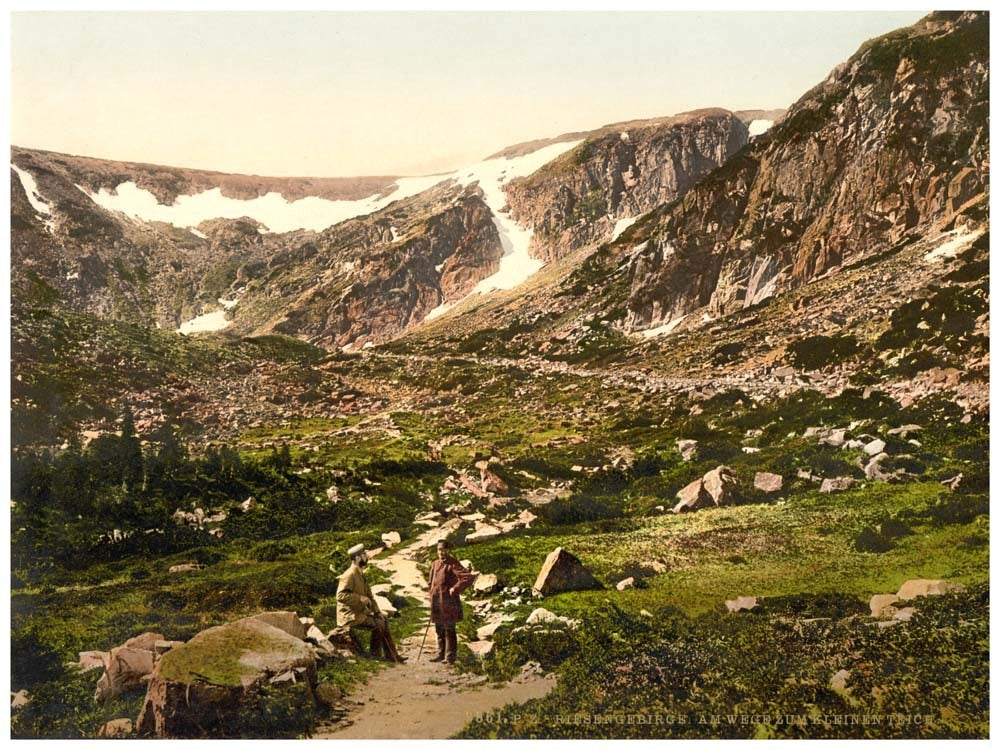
370 278
618 173
894 140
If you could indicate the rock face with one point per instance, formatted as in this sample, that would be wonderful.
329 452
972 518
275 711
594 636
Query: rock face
620 172
563 571
202 683
894 140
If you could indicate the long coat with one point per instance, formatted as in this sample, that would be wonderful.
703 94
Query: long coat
448 580
355 602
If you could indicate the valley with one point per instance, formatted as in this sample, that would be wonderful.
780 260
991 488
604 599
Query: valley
735 364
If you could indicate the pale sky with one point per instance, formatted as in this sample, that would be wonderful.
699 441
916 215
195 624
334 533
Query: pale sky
340 94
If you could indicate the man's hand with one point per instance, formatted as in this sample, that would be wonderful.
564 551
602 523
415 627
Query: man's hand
451 591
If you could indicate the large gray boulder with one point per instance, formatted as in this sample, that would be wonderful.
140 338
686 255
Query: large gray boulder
563 571
211 678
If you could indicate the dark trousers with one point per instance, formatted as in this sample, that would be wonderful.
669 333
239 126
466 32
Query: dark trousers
447 640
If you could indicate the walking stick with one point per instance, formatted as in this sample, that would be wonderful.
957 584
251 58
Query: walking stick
427 629
425 638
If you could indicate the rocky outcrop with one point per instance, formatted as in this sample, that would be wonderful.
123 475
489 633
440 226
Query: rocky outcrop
620 172
893 141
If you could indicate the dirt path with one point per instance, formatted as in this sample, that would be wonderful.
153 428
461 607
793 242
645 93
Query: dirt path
422 699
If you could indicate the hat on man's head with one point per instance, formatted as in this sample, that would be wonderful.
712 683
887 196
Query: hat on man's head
357 549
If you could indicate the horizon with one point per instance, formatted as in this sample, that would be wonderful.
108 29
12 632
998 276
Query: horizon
185 89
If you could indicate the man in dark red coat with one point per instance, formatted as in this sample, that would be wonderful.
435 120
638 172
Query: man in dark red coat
448 580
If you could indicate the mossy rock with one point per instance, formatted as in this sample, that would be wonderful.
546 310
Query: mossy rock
229 654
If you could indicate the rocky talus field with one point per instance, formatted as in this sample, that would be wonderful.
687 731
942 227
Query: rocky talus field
720 464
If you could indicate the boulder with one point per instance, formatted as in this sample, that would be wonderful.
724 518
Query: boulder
692 497
765 481
184 568
836 438
881 605
145 642
385 606
741 603
954 483
625 583
927 587
287 621
905 430
115 728
838 682
328 694
493 484
688 449
125 671
19 700
322 641
836 484
391 539
481 649
92 660
563 571
486 583
542 616
483 532
473 517
211 678
721 485
874 447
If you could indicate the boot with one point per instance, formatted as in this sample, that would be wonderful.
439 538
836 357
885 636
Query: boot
378 644
451 645
440 653
390 648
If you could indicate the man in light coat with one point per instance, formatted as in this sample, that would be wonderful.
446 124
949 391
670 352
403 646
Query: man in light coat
356 607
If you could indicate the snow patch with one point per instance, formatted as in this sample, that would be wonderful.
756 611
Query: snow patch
228 304
271 210
213 321
516 265
625 135
196 233
954 243
664 329
395 234
757 127
347 266
438 267
34 197
621 225
440 310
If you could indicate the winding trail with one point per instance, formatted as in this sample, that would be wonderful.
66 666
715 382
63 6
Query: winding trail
422 699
